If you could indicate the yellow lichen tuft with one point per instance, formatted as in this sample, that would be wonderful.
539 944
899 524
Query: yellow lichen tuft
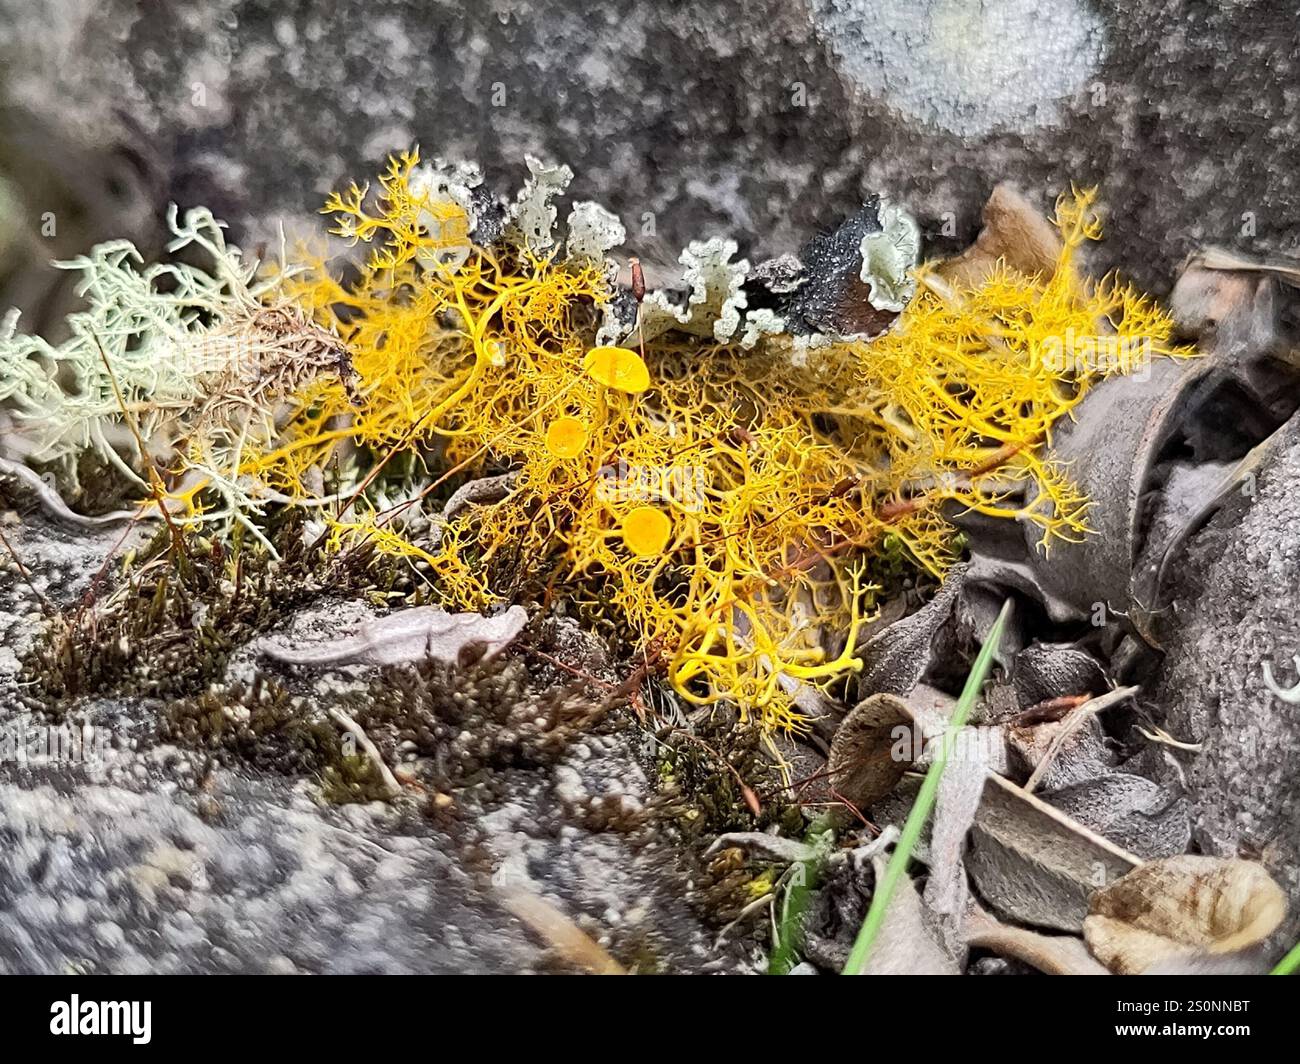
705 500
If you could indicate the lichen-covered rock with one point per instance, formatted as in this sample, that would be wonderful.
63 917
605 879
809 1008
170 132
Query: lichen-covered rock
191 835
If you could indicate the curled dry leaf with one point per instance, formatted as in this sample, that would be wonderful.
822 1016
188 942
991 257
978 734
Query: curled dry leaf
1132 811
1034 864
1043 671
895 658
570 942
1050 954
1111 449
1117 445
862 767
1195 496
417 634
1015 233
998 561
1182 906
907 943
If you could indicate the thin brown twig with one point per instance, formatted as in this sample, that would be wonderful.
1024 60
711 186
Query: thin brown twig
1050 709
92 590
155 482
1069 725
27 577
855 811
893 511
628 688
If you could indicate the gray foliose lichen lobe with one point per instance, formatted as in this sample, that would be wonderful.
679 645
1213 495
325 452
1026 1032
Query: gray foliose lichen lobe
857 279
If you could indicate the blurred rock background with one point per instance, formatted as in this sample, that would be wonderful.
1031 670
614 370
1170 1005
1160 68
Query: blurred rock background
766 120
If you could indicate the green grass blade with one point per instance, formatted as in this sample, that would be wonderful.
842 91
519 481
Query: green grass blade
797 896
1289 964
916 819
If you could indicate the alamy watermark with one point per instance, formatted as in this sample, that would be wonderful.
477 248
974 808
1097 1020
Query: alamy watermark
25 741
909 742
682 485
131 1019
1084 353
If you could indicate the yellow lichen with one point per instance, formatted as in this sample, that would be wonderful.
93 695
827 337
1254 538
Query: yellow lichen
646 531
617 368
708 501
566 437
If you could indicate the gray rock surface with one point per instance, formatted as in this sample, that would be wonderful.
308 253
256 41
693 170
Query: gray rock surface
138 874
767 121
146 858
1234 608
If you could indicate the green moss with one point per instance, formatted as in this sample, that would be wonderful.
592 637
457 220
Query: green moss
465 722
264 726
704 797
168 625
261 724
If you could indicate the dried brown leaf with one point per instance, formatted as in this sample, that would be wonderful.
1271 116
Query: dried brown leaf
1050 954
862 767
570 942
907 943
1181 906
1034 864
1015 232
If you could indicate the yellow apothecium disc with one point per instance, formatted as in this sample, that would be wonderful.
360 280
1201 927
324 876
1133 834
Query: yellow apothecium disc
566 437
646 531
617 367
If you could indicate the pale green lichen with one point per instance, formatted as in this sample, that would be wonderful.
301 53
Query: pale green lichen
889 258
144 330
169 374
759 323
533 215
593 232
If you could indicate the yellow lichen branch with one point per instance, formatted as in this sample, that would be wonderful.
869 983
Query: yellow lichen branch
704 500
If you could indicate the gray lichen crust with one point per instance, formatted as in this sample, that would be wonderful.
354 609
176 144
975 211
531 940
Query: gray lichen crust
1239 577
